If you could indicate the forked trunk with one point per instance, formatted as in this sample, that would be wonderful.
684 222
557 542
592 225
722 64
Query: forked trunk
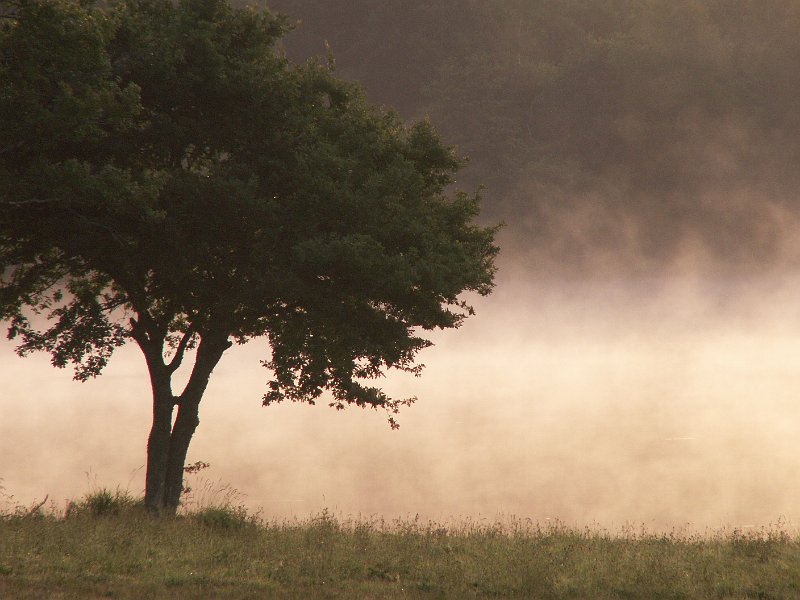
168 443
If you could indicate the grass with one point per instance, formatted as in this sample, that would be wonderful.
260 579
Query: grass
106 546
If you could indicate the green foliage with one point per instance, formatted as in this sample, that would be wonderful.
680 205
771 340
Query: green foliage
166 175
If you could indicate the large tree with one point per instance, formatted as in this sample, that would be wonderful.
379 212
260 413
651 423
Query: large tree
168 177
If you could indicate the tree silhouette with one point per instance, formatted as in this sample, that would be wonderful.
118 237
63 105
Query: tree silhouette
168 177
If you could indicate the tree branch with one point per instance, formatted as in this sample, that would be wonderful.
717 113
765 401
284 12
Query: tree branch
208 355
115 235
114 303
178 358
138 333
145 332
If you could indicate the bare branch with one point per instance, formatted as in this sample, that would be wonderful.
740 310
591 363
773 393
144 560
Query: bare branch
37 507
114 303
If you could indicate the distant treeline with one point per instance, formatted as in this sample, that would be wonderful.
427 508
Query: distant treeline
621 131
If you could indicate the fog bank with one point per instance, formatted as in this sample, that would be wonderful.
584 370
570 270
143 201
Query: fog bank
663 403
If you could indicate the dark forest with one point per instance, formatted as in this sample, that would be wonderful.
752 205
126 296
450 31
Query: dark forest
621 131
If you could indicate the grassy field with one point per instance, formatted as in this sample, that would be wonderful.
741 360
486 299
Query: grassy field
105 546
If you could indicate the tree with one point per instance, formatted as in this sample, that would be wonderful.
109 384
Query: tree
167 177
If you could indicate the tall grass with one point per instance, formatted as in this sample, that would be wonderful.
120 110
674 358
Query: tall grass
105 545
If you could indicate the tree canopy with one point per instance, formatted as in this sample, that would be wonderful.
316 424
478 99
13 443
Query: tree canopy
168 177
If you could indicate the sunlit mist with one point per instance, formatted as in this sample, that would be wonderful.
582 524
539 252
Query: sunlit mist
669 404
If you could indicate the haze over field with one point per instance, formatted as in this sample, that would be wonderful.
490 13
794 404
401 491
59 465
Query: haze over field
611 405
639 361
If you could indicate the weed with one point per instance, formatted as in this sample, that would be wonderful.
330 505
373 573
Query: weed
222 517
103 502
203 494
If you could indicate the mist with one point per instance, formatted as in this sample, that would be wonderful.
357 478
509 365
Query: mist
594 404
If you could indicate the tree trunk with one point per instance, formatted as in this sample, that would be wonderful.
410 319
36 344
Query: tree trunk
158 448
168 444
185 425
